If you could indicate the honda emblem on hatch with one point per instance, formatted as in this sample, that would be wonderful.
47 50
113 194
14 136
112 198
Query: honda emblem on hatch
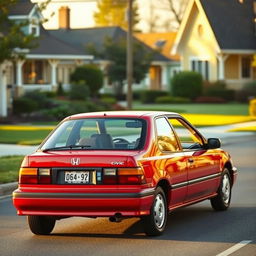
75 161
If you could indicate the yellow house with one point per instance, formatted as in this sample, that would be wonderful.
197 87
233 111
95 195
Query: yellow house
218 39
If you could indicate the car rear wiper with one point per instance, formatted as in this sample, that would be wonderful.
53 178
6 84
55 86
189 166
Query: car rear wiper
67 147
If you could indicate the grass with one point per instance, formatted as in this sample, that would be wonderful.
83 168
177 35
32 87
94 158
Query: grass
9 168
217 109
23 137
197 114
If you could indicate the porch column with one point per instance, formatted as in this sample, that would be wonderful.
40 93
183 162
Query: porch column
103 67
53 64
19 64
3 91
164 78
222 58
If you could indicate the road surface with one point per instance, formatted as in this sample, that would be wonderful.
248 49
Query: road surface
194 231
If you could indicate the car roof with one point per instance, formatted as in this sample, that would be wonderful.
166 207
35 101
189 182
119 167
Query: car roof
123 114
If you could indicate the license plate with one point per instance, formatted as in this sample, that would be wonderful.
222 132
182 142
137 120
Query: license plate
81 177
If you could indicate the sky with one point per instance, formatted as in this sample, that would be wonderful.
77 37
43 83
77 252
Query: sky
82 13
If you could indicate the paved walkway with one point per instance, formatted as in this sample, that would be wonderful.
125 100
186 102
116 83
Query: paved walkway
12 149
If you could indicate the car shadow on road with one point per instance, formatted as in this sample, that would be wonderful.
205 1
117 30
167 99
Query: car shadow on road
195 223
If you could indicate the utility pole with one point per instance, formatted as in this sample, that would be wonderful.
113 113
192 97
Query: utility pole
129 57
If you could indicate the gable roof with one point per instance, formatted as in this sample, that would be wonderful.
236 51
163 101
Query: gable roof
232 23
160 41
80 38
22 7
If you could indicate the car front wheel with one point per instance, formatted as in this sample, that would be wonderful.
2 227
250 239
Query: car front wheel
154 224
41 225
221 202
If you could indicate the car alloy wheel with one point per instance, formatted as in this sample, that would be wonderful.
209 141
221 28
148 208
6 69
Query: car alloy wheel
221 202
159 211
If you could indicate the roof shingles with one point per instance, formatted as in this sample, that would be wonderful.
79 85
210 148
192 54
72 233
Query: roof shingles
232 23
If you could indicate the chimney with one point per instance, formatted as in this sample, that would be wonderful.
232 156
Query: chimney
64 17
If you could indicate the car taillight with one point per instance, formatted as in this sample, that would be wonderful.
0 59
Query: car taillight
123 176
29 175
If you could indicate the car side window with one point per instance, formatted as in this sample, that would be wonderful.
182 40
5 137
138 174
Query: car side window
166 139
188 137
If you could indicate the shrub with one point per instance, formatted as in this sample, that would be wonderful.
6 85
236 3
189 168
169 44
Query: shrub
247 92
218 90
150 96
171 100
79 91
226 94
209 99
90 75
24 105
250 88
60 91
39 97
108 100
187 84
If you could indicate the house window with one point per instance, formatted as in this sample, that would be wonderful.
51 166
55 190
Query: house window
34 29
246 67
33 72
202 67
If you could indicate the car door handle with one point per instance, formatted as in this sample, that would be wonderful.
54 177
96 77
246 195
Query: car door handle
191 160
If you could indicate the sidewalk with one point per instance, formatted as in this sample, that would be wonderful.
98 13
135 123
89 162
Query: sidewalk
13 149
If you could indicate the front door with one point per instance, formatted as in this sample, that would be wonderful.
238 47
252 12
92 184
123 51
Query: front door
202 164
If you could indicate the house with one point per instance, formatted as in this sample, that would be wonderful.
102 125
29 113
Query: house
81 38
163 43
57 55
218 39
39 69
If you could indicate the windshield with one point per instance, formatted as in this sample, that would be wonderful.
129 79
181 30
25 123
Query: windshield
98 133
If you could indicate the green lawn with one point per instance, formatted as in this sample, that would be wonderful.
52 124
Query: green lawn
9 168
218 109
24 137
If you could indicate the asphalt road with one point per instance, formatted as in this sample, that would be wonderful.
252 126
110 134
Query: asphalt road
194 231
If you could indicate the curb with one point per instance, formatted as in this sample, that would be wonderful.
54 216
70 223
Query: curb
7 189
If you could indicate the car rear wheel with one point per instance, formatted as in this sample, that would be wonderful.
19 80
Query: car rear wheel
154 224
41 225
221 202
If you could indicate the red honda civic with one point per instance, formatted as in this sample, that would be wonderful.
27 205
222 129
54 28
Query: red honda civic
121 165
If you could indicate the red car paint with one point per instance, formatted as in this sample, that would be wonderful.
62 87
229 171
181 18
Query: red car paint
186 175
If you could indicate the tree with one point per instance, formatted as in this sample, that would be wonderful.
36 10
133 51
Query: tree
90 75
165 15
115 52
113 13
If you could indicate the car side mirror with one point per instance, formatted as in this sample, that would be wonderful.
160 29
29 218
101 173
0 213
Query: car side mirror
213 143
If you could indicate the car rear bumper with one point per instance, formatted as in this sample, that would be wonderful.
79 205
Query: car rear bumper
83 204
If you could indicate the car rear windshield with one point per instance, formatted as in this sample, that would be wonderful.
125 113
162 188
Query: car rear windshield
98 133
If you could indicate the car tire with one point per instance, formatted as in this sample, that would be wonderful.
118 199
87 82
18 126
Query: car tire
154 223
41 225
221 202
